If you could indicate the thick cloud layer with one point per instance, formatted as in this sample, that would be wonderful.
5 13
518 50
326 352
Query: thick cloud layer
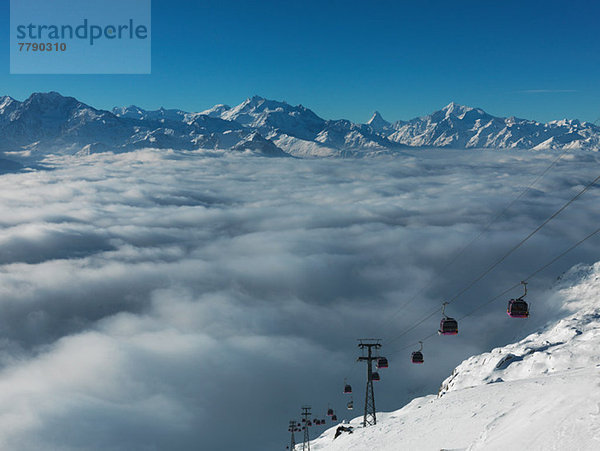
161 300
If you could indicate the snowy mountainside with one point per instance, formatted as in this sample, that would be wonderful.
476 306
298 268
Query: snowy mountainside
216 111
134 112
269 115
51 123
255 142
460 126
570 343
539 393
296 128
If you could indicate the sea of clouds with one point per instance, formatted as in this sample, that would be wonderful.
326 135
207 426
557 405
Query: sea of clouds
161 300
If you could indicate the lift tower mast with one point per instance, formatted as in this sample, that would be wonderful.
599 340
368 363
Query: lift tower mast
293 428
369 344
306 420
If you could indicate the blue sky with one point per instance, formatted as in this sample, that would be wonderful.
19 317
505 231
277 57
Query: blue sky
536 60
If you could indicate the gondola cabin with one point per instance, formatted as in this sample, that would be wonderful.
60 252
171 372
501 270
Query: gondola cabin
350 405
329 412
375 376
347 389
334 418
417 357
382 362
517 308
448 326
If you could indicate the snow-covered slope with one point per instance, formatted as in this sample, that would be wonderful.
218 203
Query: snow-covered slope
256 143
134 112
300 132
51 123
537 394
459 126
50 120
216 111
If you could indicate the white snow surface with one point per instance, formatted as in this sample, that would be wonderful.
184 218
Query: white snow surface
540 393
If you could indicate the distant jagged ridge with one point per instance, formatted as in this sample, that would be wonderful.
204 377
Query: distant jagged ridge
52 123
459 126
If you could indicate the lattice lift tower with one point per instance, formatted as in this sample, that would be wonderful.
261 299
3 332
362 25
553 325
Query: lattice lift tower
293 428
370 417
306 420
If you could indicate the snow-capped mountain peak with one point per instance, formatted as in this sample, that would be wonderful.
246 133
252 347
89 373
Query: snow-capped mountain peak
48 97
50 122
271 117
5 102
378 123
461 126
135 112
256 143
131 111
455 110
255 105
216 111
52 103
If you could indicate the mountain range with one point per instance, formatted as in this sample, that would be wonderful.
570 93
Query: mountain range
51 123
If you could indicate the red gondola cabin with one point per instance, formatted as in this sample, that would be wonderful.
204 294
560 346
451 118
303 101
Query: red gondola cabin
417 357
448 326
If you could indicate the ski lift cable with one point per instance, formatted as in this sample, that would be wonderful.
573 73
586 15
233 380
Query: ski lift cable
498 262
524 240
487 226
414 326
535 273
505 292
353 370
504 257
532 275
